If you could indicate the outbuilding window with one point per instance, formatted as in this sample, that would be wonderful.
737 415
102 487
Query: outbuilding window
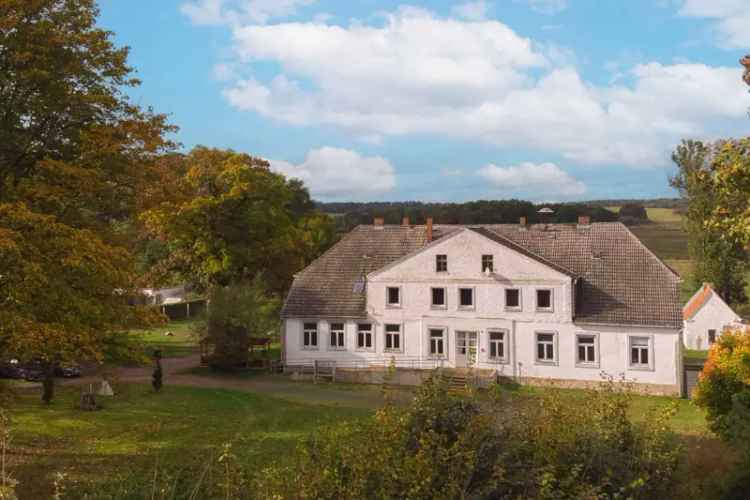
711 337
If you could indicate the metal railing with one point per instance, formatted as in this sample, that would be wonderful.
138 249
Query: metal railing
412 362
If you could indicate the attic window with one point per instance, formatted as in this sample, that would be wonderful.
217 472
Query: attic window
393 296
441 263
487 263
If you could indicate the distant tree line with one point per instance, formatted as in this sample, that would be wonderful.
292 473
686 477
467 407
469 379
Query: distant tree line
349 215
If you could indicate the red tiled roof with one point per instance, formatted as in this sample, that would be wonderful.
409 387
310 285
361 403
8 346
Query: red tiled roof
694 304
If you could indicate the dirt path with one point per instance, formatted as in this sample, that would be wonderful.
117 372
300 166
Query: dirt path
176 373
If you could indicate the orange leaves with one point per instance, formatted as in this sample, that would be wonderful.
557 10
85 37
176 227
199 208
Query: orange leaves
62 288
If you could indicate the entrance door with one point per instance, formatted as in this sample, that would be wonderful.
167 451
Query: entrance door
466 349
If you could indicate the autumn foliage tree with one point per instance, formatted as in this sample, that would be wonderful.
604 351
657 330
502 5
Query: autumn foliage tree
76 162
724 391
234 220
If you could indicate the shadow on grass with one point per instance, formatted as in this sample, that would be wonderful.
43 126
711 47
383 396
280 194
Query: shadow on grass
138 425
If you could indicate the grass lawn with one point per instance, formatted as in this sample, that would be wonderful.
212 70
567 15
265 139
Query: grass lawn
183 428
689 419
181 425
695 356
183 343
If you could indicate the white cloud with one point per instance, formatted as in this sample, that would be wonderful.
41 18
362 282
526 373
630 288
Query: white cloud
471 11
235 12
224 72
341 174
480 81
548 7
732 16
537 180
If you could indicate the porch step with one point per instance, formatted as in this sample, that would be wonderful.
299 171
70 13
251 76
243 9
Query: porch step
457 382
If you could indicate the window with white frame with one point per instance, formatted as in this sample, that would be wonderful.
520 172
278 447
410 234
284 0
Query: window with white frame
438 298
393 337
640 352
513 299
586 350
497 350
364 337
437 342
310 336
393 296
466 298
487 263
544 299
545 348
337 336
441 263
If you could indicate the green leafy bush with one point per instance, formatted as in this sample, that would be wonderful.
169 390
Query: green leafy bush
504 446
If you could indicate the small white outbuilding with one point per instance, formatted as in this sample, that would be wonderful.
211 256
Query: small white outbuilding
706 315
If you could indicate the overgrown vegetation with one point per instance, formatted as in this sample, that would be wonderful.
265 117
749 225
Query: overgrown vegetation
452 446
724 390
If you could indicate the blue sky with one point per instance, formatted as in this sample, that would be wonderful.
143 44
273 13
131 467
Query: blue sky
443 100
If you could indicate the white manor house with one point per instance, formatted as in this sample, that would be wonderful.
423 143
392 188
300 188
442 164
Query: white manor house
568 303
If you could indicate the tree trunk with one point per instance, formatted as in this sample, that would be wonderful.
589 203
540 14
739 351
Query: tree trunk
48 384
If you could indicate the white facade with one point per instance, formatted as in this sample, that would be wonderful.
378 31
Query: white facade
706 317
528 342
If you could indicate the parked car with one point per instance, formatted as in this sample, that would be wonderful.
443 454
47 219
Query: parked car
12 369
34 371
67 370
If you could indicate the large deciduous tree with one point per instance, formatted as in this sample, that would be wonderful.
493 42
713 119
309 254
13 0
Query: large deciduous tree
236 220
716 258
77 162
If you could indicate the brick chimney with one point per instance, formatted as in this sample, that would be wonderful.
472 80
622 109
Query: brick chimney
405 221
584 220
428 222
379 221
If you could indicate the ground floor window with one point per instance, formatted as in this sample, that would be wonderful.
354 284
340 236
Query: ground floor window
392 337
640 352
337 336
711 337
364 336
497 349
437 341
310 336
586 349
545 348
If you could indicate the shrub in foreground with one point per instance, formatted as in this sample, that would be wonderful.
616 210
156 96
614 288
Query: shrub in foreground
504 446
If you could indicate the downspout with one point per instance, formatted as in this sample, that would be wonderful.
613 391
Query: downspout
515 353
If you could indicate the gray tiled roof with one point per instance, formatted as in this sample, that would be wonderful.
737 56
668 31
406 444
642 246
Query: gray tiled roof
622 281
